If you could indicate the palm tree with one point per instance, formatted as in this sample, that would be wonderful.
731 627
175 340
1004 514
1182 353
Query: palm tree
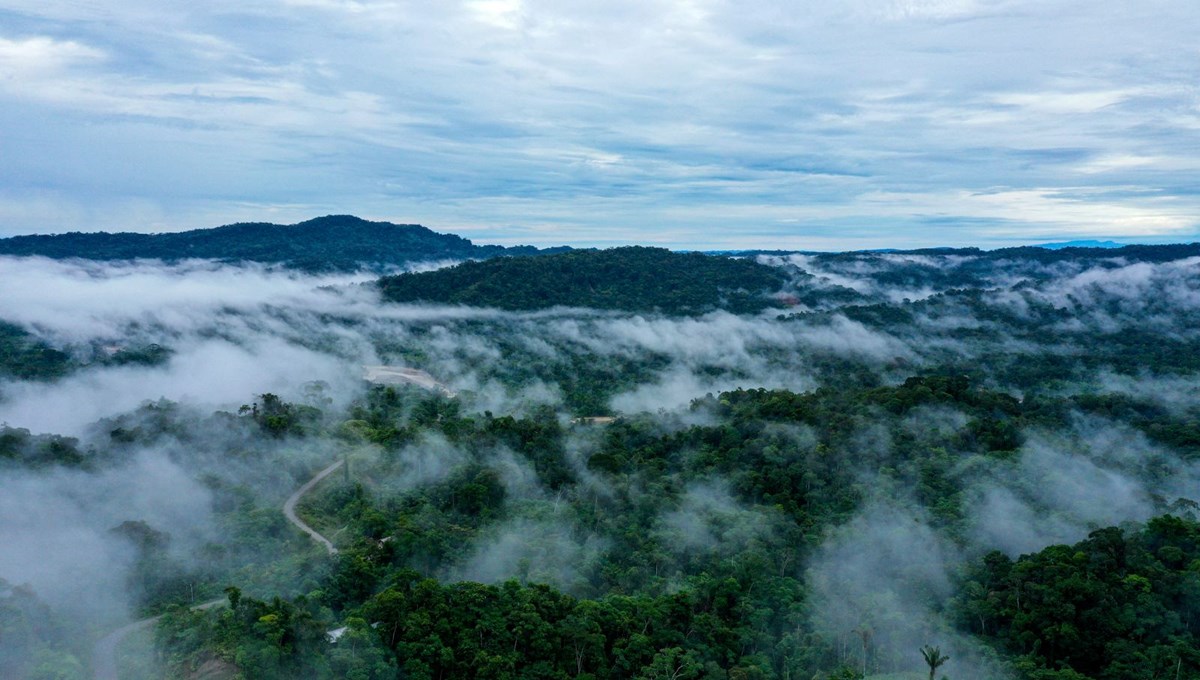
933 657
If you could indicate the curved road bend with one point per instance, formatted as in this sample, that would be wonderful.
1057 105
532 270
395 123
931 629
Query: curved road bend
104 652
289 507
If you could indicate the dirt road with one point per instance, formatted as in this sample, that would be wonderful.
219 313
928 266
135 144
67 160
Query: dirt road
289 507
104 652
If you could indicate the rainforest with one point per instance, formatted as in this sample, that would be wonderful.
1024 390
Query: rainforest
441 461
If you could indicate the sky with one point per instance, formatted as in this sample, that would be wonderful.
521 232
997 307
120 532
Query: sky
830 125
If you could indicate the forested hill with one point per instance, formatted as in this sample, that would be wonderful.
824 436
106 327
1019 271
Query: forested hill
631 278
334 242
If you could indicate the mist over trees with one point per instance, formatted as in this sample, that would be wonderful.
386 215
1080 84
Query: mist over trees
635 463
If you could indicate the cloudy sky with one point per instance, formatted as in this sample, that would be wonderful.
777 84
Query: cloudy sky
689 123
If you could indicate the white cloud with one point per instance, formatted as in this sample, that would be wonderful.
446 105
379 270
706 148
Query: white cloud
627 121
499 13
26 58
897 10
1058 103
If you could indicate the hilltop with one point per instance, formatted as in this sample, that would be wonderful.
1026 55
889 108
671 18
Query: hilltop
333 242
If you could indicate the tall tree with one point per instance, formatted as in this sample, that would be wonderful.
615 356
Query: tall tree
933 657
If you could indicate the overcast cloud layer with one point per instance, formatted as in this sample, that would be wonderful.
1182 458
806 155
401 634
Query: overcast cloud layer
692 123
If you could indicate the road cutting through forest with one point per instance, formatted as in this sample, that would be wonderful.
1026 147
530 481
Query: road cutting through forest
289 507
104 652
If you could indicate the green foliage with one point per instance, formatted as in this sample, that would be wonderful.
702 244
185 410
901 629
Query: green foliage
934 659
34 643
1119 605
24 357
630 279
54 665
269 640
470 630
1181 434
149 355
704 523
676 545
279 418
18 447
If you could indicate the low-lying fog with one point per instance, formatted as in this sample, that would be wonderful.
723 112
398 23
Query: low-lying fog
237 331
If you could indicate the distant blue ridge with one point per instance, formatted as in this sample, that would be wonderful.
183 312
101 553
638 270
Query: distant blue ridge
1080 244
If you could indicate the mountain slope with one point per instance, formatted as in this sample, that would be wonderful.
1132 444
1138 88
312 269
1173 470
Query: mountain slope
324 243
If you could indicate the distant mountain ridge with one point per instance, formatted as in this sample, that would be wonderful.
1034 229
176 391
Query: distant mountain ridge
1086 243
1134 252
333 242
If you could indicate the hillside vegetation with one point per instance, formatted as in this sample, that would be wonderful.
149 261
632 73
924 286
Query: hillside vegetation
631 279
955 464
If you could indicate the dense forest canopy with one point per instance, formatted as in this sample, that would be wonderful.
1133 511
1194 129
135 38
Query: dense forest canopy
635 279
632 464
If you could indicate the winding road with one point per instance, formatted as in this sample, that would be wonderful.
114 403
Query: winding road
289 506
104 652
